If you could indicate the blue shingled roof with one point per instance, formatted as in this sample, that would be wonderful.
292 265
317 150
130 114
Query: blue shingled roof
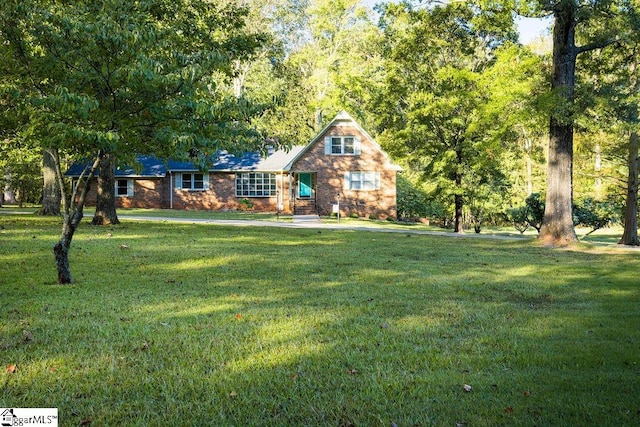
152 167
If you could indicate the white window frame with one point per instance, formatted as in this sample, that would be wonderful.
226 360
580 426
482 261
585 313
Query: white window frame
342 145
256 184
129 192
190 183
362 181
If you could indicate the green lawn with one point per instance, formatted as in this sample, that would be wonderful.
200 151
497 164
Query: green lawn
187 324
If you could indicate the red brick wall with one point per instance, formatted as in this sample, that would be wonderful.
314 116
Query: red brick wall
221 196
330 170
156 193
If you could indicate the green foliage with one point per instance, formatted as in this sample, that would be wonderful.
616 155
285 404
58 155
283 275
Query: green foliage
535 210
146 77
596 214
411 199
453 93
518 216
20 171
529 215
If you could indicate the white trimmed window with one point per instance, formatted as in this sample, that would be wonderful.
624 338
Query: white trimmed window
256 184
192 181
365 181
342 145
124 187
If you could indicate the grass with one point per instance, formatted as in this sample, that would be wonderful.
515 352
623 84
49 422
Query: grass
191 324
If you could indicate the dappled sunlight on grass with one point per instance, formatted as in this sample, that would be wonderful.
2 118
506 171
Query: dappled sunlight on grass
248 326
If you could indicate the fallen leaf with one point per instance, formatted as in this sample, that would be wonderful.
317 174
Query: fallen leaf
12 369
508 410
52 369
352 371
27 336
238 316
233 394
527 393
234 296
86 422
124 246
461 424
294 376
467 388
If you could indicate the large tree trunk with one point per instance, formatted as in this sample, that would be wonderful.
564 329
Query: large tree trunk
106 193
458 220
630 234
458 198
557 227
51 188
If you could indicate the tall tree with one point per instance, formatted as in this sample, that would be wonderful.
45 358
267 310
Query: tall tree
114 76
570 17
339 36
435 108
615 86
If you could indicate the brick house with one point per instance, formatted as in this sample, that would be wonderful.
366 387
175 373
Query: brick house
341 164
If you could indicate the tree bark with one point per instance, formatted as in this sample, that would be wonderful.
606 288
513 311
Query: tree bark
458 223
106 198
51 189
72 215
630 234
61 249
557 227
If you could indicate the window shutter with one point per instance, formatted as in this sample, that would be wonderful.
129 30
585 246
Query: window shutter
347 181
205 181
177 180
327 145
130 188
357 146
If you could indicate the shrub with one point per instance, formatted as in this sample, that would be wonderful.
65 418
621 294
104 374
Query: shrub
531 214
595 214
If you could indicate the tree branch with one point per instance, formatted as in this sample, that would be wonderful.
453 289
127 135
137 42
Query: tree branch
596 45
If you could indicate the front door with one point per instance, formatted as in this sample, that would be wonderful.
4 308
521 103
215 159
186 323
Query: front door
304 185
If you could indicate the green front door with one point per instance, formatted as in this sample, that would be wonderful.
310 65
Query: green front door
304 185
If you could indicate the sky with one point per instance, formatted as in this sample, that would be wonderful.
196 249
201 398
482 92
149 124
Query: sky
531 28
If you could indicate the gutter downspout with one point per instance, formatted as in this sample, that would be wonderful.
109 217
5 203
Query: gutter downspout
170 190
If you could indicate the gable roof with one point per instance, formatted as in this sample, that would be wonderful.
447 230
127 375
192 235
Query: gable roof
281 160
341 118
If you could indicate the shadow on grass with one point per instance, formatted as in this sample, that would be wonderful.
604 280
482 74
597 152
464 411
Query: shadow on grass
197 325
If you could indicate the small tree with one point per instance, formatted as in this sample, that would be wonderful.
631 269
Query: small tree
529 215
535 210
596 214
518 216
100 77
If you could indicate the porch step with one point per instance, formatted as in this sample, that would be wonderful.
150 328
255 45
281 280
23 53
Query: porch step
305 207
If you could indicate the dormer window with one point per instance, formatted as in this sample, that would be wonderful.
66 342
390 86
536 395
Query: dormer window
342 145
